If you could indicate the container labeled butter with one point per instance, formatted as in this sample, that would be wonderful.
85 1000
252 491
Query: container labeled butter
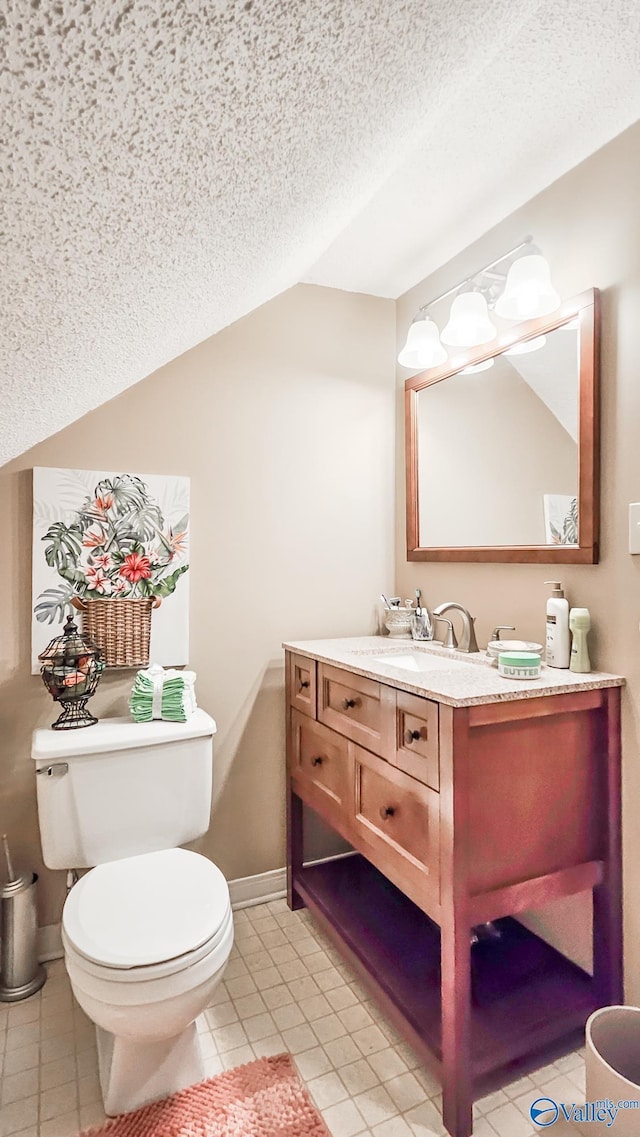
519 664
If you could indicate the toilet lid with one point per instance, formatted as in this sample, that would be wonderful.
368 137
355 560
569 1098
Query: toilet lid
146 909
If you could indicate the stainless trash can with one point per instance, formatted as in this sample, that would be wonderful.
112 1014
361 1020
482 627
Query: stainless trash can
20 973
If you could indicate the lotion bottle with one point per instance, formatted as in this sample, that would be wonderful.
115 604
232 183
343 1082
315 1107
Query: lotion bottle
558 643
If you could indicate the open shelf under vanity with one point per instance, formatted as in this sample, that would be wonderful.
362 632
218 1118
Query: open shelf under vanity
524 993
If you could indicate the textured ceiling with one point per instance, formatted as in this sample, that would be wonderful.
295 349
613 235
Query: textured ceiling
167 167
563 87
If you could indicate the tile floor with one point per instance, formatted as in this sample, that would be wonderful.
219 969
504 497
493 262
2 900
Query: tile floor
285 988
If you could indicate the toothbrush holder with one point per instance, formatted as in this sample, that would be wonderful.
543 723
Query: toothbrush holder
421 625
398 622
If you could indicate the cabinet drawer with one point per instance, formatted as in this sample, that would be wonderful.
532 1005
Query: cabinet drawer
397 820
302 684
417 746
320 766
359 708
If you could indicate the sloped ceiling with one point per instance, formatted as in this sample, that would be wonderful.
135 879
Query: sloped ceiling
170 166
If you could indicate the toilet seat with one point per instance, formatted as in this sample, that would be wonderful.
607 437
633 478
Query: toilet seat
147 916
206 954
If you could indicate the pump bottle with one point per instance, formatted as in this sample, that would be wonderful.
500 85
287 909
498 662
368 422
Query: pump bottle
558 640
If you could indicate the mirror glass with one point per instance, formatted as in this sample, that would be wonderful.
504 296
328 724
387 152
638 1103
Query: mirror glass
498 449
502 446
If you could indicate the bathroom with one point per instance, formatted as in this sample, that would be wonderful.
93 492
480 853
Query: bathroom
294 444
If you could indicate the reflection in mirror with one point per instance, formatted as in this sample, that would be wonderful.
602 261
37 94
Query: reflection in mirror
503 446
498 449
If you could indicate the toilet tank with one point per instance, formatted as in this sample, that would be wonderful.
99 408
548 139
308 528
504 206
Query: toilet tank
121 788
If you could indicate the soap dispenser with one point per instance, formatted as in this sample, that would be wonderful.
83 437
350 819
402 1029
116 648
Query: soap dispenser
558 643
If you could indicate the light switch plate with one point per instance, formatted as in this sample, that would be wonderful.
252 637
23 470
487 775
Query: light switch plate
634 527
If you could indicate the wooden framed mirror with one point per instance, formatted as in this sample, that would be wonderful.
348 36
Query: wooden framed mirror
502 446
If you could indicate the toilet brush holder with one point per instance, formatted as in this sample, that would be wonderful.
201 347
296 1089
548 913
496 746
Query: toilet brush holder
20 973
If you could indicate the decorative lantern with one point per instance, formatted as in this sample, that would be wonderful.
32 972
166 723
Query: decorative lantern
71 668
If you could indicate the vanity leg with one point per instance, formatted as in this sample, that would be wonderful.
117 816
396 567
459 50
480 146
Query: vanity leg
294 846
607 896
457 1090
455 929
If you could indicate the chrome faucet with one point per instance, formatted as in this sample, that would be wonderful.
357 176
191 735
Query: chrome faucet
468 640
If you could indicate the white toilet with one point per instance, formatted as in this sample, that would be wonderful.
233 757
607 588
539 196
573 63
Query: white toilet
148 931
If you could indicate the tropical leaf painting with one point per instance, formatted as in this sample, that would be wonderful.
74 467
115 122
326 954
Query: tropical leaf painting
561 519
111 536
54 604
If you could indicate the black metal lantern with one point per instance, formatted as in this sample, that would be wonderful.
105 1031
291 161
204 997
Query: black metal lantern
71 668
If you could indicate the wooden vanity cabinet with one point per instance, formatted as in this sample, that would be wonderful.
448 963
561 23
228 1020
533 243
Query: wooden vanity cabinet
301 682
459 816
362 709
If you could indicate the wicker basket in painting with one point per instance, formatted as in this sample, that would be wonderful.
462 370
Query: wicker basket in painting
121 628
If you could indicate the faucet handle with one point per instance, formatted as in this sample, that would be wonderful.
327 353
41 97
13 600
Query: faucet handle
450 637
495 635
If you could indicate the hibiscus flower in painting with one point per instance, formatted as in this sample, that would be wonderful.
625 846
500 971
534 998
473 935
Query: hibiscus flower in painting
136 568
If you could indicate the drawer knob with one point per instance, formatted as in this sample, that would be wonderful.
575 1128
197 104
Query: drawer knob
349 703
317 761
411 736
387 811
304 683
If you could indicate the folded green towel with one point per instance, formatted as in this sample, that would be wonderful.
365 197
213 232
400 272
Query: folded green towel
160 694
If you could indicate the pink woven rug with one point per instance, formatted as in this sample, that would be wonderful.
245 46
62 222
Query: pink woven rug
265 1098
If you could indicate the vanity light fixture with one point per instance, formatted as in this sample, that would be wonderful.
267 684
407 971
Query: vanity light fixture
517 286
423 348
528 291
469 324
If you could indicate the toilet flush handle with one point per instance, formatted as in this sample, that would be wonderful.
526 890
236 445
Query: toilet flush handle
56 770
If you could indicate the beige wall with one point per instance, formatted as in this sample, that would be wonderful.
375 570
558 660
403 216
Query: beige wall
285 424
588 226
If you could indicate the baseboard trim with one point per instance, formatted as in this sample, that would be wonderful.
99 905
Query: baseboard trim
245 891
248 890
265 886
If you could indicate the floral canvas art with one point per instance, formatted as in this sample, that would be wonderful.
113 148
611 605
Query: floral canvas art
560 519
100 535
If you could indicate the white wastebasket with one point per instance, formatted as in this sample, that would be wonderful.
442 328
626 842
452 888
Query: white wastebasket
612 1064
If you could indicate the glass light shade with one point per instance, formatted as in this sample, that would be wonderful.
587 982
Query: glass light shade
484 366
526 346
469 323
528 291
423 348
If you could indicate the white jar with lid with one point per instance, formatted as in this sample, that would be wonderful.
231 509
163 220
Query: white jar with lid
519 664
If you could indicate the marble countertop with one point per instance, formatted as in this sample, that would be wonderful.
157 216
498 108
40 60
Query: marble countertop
448 676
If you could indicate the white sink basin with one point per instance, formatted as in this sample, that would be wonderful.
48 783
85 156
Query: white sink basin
414 661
